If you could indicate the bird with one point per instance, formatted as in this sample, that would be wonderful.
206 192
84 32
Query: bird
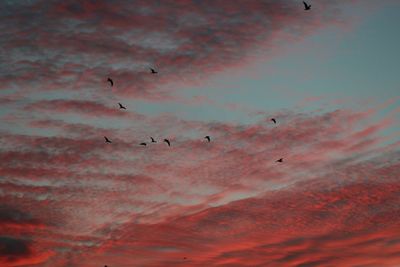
280 160
107 140
167 141
111 81
208 138
273 120
306 6
152 140
184 258
153 71
121 106
143 144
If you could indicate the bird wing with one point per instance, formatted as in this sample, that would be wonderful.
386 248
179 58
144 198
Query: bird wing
305 4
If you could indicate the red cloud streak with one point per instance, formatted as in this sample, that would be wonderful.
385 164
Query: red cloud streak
75 200
69 199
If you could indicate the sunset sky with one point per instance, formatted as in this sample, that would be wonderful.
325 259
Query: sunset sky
330 76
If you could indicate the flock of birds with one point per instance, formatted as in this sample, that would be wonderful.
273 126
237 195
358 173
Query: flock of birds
208 138
167 141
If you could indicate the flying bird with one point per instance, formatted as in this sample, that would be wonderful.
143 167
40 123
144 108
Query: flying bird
152 140
208 138
153 71
143 144
306 6
280 160
273 120
167 141
107 140
121 106
111 81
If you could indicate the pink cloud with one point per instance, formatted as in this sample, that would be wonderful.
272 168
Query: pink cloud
71 199
308 226
82 44
223 202
81 107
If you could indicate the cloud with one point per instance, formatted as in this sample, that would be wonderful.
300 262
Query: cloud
314 224
82 107
18 252
16 230
73 46
69 199
13 248
221 203
8 214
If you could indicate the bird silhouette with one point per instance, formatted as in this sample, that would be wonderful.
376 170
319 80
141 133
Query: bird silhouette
107 140
167 141
121 106
273 120
153 71
152 140
143 144
306 6
111 81
208 138
280 160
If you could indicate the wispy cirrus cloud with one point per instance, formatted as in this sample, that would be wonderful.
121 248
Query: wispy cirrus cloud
306 225
81 107
72 200
75 46
154 202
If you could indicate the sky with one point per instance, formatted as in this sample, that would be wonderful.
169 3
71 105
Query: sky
330 77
